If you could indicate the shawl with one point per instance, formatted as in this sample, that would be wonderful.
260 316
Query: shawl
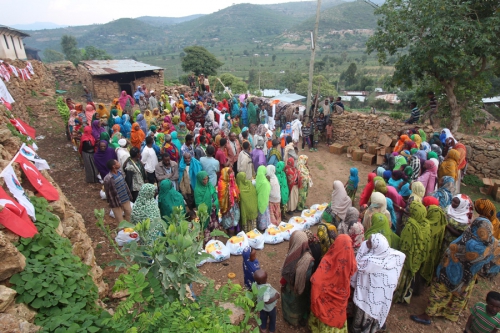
97 129
353 176
351 227
417 139
252 113
168 198
136 113
102 111
449 167
445 134
297 262
86 136
377 277
248 197
263 188
116 130
275 194
104 137
380 171
235 127
423 136
89 112
378 204
428 178
485 208
467 255
381 225
194 168
415 238
425 146
227 190
463 154
123 100
175 140
380 185
137 136
422 155
401 143
430 201
145 206
182 132
275 152
417 191
435 140
126 126
204 193
114 142
102 157
249 267
340 202
258 158
396 198
280 174
144 125
148 117
399 162
445 193
462 214
386 175
432 154
330 284
172 151
160 139
392 212
292 174
304 170
437 222
367 191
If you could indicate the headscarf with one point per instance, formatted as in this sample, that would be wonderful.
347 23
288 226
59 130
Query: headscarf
467 255
405 191
227 190
380 185
181 133
423 136
377 277
381 225
400 161
72 116
275 194
432 154
137 136
102 111
445 193
350 226
401 143
367 191
89 112
297 261
485 208
97 129
417 139
340 202
418 191
435 140
86 136
293 176
280 174
263 188
252 113
330 284
437 223
140 120
445 134
101 158
387 175
123 99
449 167
204 193
248 198
114 142
304 170
353 176
148 117
430 201
392 212
422 155
415 242
136 113
380 171
175 140
463 213
104 137
168 198
145 207
194 168
126 126
415 166
378 204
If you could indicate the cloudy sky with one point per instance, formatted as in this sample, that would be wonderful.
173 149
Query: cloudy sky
83 12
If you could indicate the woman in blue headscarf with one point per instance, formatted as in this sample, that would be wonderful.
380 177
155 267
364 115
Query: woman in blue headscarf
126 127
142 123
445 192
175 140
390 209
235 108
351 186
244 114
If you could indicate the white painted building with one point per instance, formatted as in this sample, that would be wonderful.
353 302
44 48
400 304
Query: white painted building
11 43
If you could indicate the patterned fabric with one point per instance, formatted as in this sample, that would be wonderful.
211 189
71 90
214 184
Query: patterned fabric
415 238
486 208
437 223
327 233
292 174
444 303
463 212
228 192
145 207
380 225
445 193
352 227
231 218
482 322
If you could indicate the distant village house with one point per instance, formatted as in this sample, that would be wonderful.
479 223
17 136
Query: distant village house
11 43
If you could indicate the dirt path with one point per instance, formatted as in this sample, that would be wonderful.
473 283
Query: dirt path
325 168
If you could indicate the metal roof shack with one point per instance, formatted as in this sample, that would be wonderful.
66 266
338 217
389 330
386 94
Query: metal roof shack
107 67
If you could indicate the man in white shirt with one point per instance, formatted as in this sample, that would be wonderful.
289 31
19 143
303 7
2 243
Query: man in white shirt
153 103
122 153
149 160
210 165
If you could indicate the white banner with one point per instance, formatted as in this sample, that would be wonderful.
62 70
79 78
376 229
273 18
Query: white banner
17 190
4 93
30 154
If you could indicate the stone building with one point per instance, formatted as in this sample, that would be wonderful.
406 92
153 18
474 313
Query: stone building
11 43
107 78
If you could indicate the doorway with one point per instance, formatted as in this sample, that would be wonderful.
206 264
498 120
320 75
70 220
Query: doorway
127 87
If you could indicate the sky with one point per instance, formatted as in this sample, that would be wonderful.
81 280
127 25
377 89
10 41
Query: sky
85 12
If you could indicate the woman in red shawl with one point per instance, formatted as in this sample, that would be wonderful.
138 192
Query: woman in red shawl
87 149
225 104
189 123
229 195
367 192
171 149
294 181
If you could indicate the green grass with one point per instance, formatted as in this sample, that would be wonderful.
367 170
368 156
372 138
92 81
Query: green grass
474 193
271 254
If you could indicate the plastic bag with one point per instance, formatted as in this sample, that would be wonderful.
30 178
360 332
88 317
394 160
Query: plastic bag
237 244
255 239
310 216
287 230
217 250
273 235
301 223
103 195
126 236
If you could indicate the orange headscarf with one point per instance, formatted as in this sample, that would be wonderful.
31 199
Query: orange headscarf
401 143
463 154
137 136
449 167
486 208
227 190
331 283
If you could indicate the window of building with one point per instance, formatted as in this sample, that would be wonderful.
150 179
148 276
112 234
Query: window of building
12 40
20 43
6 42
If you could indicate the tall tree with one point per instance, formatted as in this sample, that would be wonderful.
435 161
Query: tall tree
70 49
52 56
200 61
450 43
349 76
93 53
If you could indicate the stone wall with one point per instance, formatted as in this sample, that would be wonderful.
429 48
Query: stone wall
65 74
153 82
104 89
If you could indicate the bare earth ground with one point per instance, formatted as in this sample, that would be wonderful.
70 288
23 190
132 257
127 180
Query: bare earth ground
325 168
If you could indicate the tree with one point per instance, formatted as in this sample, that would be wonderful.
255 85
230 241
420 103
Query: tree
325 88
274 57
93 53
236 84
70 49
290 80
349 76
200 61
52 55
451 43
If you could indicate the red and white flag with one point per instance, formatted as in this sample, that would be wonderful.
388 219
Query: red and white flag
14 217
17 190
30 154
39 182
23 127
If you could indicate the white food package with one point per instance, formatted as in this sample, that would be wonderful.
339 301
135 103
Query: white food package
319 212
300 223
236 248
285 231
272 235
256 242
218 251
124 237
310 218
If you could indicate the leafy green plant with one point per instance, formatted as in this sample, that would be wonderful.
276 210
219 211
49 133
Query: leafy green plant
55 282
396 115
63 109
472 180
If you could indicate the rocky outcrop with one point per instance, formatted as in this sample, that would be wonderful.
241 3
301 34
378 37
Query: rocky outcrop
12 260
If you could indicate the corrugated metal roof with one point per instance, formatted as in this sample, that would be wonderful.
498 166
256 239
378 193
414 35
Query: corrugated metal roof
288 98
12 31
495 99
107 67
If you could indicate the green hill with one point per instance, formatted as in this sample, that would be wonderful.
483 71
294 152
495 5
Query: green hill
301 9
159 21
349 15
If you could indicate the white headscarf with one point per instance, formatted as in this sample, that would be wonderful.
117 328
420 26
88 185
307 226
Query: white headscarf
275 195
377 277
340 200
296 130
448 133
461 213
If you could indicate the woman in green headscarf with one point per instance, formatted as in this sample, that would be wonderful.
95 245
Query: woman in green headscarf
204 192
160 140
136 113
263 187
380 185
252 113
248 202
423 136
104 137
381 225
399 162
168 198
437 223
114 142
415 244
111 119
432 154
235 126
285 192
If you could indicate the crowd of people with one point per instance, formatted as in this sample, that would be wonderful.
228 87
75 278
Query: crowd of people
242 160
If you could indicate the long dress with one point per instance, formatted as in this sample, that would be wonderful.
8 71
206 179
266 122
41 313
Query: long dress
306 181
248 202
206 194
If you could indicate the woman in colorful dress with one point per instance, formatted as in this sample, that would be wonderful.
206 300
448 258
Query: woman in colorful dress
307 182
351 186
274 196
248 202
339 204
285 192
204 192
229 196
294 181
168 198
145 207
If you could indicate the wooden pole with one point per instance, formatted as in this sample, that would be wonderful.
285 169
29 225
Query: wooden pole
314 37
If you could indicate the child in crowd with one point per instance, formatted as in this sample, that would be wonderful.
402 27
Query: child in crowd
329 133
351 186
250 266
306 135
316 136
484 317
270 299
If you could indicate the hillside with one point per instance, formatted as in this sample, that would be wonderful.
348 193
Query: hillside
159 21
349 15
301 9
